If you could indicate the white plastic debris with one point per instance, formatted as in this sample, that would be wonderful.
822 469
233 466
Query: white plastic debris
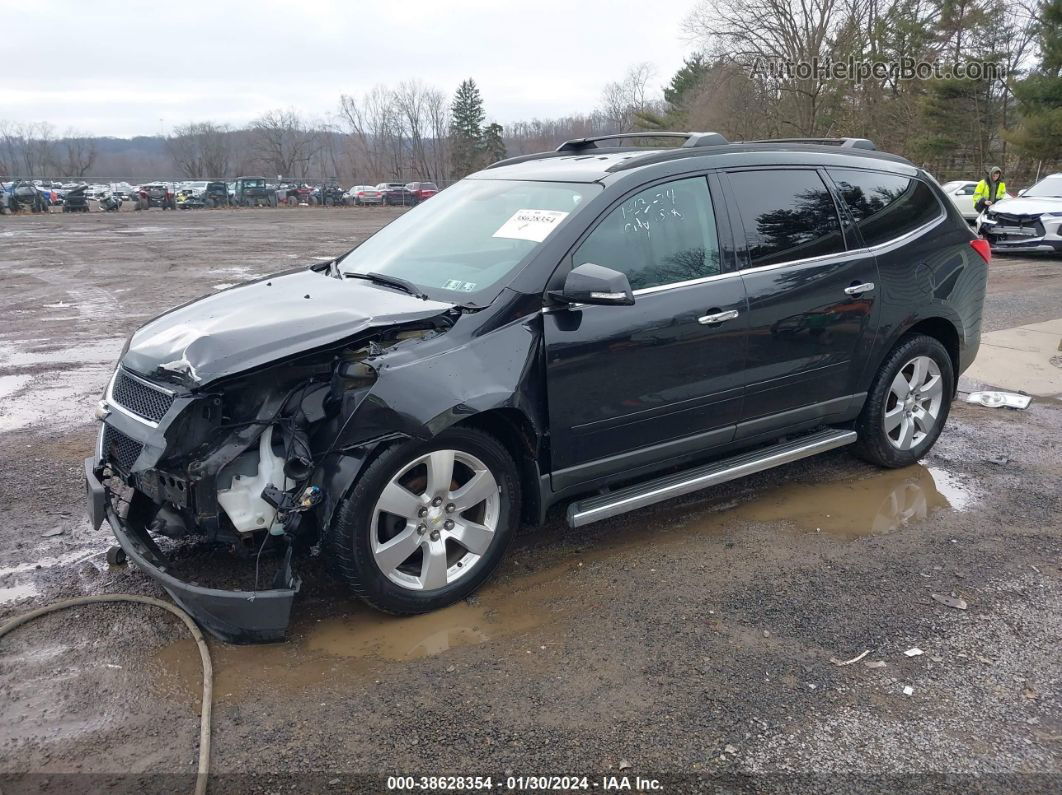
914 652
837 662
950 601
908 690
995 400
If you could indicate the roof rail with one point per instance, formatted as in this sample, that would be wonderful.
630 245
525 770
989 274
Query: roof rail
844 143
691 139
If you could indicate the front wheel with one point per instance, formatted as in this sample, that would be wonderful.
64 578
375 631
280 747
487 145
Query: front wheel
427 523
908 403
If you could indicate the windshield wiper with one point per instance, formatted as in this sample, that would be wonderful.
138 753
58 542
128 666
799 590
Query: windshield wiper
389 281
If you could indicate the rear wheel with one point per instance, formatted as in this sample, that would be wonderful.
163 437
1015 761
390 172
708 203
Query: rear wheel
908 403
427 523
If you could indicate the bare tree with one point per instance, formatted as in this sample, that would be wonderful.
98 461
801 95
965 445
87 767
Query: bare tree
438 111
201 149
285 143
622 100
754 33
78 153
372 122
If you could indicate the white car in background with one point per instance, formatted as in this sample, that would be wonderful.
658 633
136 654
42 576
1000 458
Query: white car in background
1031 222
961 192
360 195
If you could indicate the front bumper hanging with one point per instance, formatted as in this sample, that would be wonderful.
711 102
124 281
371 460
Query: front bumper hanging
231 616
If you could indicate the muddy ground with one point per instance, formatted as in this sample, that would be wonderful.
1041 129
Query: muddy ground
694 638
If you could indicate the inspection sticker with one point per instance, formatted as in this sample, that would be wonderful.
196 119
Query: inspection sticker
531 225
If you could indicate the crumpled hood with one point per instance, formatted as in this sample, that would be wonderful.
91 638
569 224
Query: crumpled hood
261 322
1028 206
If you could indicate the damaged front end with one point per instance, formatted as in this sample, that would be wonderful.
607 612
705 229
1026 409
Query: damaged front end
240 459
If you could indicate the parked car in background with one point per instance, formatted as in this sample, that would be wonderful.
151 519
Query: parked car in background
597 326
396 194
160 194
189 199
123 189
330 195
1030 222
960 192
254 192
75 200
215 194
422 190
24 195
361 195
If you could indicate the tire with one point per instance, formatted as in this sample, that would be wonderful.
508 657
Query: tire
892 447
412 585
292 201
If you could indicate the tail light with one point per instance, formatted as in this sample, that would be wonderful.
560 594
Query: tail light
980 245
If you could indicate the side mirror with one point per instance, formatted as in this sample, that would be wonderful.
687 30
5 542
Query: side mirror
1022 191
595 284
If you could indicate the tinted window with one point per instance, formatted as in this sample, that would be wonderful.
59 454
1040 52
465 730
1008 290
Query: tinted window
662 235
787 215
885 206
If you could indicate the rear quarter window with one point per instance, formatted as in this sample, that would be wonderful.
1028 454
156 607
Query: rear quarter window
885 206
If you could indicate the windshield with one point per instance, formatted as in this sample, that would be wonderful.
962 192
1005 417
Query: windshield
471 236
1048 186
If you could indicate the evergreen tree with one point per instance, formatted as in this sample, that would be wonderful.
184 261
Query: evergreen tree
466 128
493 145
685 83
1040 94
678 95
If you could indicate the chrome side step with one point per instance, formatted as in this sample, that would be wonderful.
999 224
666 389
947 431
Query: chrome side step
604 506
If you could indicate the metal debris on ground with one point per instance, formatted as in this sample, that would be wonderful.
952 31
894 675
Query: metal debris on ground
837 662
624 765
995 400
950 601
914 652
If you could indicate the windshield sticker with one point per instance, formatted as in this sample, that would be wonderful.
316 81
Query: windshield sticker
459 286
532 225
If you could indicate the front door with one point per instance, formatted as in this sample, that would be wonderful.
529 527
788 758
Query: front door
633 386
812 298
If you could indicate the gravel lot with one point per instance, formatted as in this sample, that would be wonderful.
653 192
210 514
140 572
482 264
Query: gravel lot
691 639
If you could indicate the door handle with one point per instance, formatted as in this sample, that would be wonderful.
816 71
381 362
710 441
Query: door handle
859 289
718 317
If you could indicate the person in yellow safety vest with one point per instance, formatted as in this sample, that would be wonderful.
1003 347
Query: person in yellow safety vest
990 190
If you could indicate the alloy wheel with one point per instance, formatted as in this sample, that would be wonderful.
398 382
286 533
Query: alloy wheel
913 404
435 520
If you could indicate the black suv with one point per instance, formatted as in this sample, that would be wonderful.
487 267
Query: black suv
609 326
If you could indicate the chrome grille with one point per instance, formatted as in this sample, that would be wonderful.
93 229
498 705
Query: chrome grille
140 398
119 449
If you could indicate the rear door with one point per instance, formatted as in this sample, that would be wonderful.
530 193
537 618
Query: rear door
632 386
811 293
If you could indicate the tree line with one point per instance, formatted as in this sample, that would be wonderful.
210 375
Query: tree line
954 125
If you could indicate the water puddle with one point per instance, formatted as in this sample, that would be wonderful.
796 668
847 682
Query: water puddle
101 351
341 638
338 637
16 593
10 384
881 503
368 633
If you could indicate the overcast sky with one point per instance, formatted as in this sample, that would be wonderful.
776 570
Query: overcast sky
135 68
